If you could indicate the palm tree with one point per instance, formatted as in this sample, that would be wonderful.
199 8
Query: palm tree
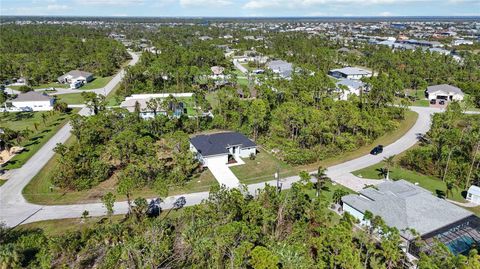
322 178
389 163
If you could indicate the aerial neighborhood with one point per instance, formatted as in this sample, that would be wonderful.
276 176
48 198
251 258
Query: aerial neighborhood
165 142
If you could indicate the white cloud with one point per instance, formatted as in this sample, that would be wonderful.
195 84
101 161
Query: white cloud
110 2
205 3
385 14
55 7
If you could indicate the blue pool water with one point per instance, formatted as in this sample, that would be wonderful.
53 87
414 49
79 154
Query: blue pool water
460 245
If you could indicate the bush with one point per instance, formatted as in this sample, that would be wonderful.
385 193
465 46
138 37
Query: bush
25 89
252 156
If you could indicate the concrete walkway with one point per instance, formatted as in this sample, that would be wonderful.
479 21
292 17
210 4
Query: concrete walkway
223 174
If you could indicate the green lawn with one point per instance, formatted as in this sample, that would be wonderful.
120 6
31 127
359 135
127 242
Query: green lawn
22 120
2 182
98 82
44 86
71 98
421 102
261 169
40 190
212 99
433 184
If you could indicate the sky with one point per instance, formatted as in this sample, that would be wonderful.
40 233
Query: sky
241 8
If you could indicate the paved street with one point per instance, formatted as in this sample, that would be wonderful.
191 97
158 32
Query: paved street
13 207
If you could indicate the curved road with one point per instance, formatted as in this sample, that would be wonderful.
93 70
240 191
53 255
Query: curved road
15 210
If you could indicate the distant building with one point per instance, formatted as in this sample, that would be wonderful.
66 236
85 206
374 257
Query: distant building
280 67
221 147
350 73
458 42
444 92
352 87
147 112
76 75
32 101
406 206
473 194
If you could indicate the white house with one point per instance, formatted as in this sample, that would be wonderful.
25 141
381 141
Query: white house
350 73
32 101
146 112
222 147
346 87
473 194
458 42
280 67
76 75
444 92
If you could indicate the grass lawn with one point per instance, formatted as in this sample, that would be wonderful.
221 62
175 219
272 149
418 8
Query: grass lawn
39 189
44 86
22 120
261 169
62 226
433 184
2 182
71 98
475 210
212 99
98 82
421 102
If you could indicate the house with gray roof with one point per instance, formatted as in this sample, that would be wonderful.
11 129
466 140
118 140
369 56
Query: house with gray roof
444 92
350 73
280 67
406 206
32 101
346 87
221 147
75 75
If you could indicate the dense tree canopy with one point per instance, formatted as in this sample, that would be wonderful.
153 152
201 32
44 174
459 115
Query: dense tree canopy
41 53
290 229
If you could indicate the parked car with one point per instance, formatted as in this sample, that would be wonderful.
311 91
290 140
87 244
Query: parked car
441 102
377 150
433 101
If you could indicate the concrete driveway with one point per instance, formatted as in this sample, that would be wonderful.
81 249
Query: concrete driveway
223 174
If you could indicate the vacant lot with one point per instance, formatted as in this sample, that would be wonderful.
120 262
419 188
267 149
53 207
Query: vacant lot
41 128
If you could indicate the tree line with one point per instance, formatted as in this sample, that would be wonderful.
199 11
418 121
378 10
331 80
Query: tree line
42 53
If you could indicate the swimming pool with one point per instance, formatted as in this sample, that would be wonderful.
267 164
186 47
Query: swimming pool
460 245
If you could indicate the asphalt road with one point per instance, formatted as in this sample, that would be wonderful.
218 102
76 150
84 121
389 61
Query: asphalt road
13 207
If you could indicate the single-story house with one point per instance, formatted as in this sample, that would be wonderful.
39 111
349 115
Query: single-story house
76 75
284 69
473 194
352 87
350 73
406 206
146 112
217 70
221 147
458 42
33 101
444 92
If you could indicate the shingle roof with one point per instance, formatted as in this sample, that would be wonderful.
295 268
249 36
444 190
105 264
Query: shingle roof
352 71
32 96
445 88
350 83
215 144
404 205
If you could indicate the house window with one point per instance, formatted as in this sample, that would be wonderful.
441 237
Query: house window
469 195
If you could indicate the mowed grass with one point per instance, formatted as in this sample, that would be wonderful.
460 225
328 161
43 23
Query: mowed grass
38 137
71 98
431 183
62 226
41 190
98 82
262 168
